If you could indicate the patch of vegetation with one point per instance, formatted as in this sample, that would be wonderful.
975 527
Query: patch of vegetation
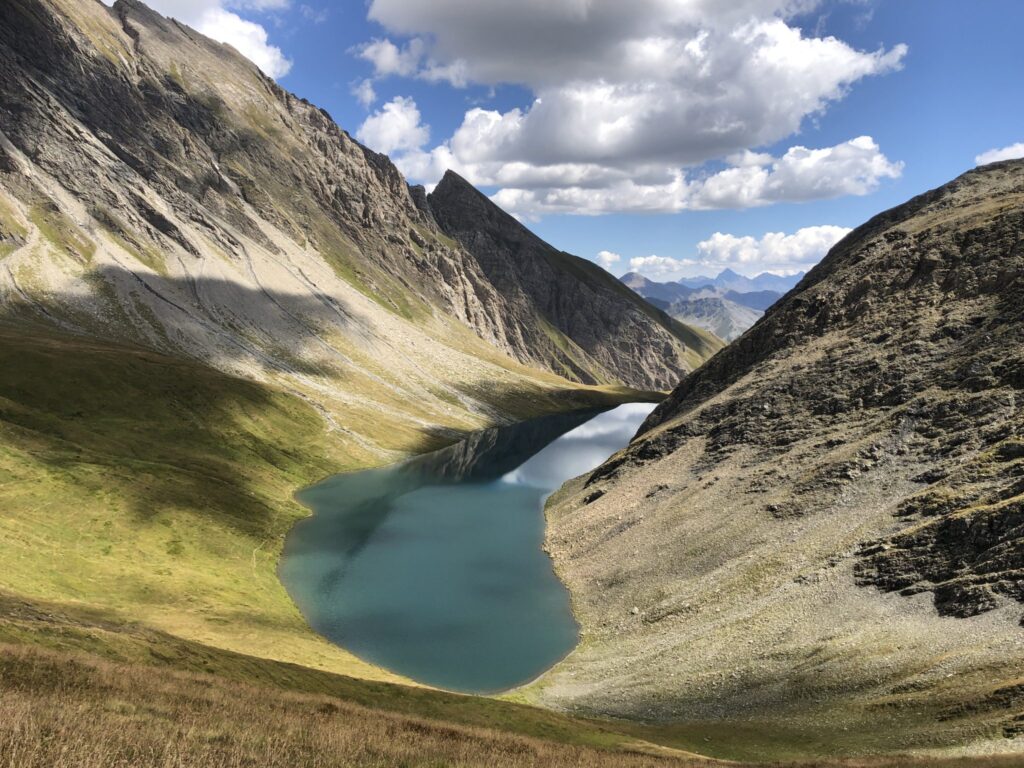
59 230
79 691
11 230
120 233
104 447
69 639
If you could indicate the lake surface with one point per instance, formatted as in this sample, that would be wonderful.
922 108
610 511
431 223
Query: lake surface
434 568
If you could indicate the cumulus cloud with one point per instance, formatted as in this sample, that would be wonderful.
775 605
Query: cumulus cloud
396 127
623 92
852 168
390 59
364 92
855 167
660 267
1012 152
607 259
773 252
217 20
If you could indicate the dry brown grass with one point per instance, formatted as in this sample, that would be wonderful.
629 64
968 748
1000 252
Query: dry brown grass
62 710
72 710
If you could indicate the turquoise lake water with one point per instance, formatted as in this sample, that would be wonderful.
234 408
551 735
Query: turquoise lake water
434 568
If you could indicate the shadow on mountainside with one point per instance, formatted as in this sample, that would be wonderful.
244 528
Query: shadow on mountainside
159 433
209 319
98 421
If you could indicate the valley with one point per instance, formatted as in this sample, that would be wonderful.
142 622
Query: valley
305 465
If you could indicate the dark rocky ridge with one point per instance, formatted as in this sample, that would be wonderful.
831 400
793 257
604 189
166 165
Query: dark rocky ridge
567 293
177 147
933 294
808 509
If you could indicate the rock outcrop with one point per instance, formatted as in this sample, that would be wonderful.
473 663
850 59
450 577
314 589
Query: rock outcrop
823 527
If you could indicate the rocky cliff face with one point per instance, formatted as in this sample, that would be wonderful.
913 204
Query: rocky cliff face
564 297
822 530
155 187
726 319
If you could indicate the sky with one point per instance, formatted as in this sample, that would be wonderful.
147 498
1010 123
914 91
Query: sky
669 137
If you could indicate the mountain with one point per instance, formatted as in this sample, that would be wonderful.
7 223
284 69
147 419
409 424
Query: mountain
725 313
820 534
211 296
602 330
729 280
158 189
726 319
700 281
649 289
759 300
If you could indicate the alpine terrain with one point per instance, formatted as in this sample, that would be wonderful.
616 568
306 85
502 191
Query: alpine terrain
210 296
817 539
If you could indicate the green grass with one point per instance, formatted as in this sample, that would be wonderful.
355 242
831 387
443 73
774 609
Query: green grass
118 231
145 500
59 230
156 489
10 227
160 490
71 629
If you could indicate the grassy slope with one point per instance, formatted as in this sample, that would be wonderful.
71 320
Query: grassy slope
144 500
142 493
160 490
79 690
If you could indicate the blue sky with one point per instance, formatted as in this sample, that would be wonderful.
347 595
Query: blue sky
666 133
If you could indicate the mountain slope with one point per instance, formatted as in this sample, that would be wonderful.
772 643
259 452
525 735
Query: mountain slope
210 296
570 295
759 300
726 319
156 188
724 314
651 289
817 543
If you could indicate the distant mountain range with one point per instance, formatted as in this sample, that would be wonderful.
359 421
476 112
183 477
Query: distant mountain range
726 305
728 280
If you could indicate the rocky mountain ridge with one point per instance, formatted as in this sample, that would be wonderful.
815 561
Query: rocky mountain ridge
713 304
820 531
587 309
156 188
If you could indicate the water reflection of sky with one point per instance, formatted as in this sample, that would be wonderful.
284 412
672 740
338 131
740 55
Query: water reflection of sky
435 568
580 450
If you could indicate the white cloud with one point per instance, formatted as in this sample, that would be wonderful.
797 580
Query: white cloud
661 267
607 259
773 252
364 92
855 167
247 37
389 59
626 95
315 15
394 128
1012 152
214 19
